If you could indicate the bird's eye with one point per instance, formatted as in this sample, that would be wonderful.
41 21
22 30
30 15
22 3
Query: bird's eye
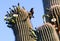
53 20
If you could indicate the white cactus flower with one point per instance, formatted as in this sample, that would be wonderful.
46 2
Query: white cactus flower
15 15
5 17
53 20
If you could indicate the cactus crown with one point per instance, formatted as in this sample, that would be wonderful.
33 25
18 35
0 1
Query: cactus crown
14 13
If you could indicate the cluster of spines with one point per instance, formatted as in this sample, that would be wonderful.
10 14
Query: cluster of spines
12 15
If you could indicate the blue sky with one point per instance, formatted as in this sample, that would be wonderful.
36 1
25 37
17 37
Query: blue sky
6 34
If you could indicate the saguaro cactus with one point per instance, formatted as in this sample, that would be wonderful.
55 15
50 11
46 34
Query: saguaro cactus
52 8
18 19
52 13
47 32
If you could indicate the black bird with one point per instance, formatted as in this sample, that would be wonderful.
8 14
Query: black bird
31 13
